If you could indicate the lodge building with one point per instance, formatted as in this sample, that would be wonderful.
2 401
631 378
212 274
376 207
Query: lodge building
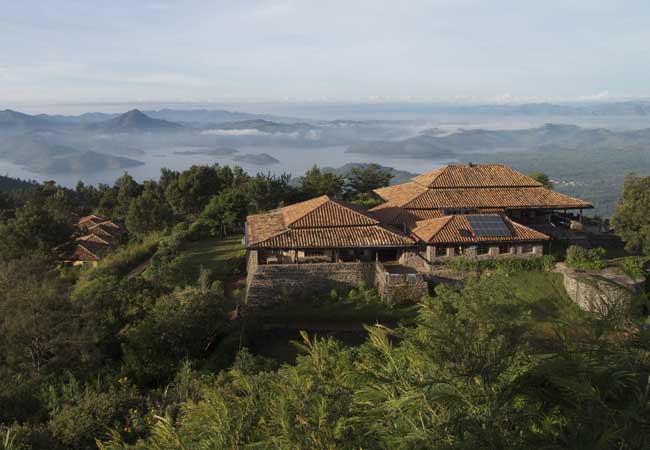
95 237
472 211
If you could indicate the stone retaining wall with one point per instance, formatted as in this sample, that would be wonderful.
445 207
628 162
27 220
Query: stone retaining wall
270 284
606 292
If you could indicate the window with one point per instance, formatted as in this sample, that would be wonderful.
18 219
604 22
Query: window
504 249
527 248
482 249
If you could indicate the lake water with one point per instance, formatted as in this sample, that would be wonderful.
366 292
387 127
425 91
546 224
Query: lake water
295 161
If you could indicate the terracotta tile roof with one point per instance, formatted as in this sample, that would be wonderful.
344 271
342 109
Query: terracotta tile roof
475 175
495 198
391 214
320 222
93 217
260 227
481 186
350 237
447 229
105 229
325 212
106 240
89 251
401 194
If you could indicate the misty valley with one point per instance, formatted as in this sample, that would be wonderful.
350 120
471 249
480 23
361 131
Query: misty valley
570 144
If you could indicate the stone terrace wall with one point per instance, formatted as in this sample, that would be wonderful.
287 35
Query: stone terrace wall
272 283
604 292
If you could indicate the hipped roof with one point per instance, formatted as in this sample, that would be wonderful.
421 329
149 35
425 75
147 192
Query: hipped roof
458 229
476 186
322 222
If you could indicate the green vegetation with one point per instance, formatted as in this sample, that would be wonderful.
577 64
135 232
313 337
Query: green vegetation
542 178
586 259
144 352
632 217
502 265
224 257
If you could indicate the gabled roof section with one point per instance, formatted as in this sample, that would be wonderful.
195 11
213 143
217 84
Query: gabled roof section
474 176
400 194
458 229
392 214
106 240
326 212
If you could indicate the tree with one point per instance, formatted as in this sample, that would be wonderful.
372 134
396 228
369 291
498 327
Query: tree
182 325
316 183
192 189
148 212
225 212
34 229
126 189
39 326
631 219
268 191
542 178
363 180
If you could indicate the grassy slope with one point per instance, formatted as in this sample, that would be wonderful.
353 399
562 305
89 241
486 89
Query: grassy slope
216 254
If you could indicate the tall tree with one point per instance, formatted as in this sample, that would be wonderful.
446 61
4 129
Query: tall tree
541 177
34 229
148 212
316 183
631 219
225 212
363 180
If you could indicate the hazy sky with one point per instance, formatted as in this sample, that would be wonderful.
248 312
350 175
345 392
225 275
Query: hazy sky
203 51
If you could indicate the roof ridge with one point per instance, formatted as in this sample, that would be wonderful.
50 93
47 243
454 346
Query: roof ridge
352 207
290 208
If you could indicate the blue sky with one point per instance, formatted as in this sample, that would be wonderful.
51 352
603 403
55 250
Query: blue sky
69 51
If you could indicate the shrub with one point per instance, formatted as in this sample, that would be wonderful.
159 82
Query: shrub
510 265
634 266
582 258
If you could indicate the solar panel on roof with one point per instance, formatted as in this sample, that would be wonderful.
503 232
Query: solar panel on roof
465 233
489 225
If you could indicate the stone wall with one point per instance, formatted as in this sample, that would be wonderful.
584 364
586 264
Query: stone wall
608 292
398 286
270 284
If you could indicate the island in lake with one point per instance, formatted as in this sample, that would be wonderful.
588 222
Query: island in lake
263 159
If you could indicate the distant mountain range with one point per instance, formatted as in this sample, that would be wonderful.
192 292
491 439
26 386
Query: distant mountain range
16 120
39 154
134 121
549 136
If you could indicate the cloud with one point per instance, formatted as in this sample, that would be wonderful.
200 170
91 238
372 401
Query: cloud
241 132
604 95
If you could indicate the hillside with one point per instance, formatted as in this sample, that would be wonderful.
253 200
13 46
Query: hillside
8 184
41 155
549 136
10 119
134 121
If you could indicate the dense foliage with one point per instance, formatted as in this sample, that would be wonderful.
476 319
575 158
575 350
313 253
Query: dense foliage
144 352
631 219
586 259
